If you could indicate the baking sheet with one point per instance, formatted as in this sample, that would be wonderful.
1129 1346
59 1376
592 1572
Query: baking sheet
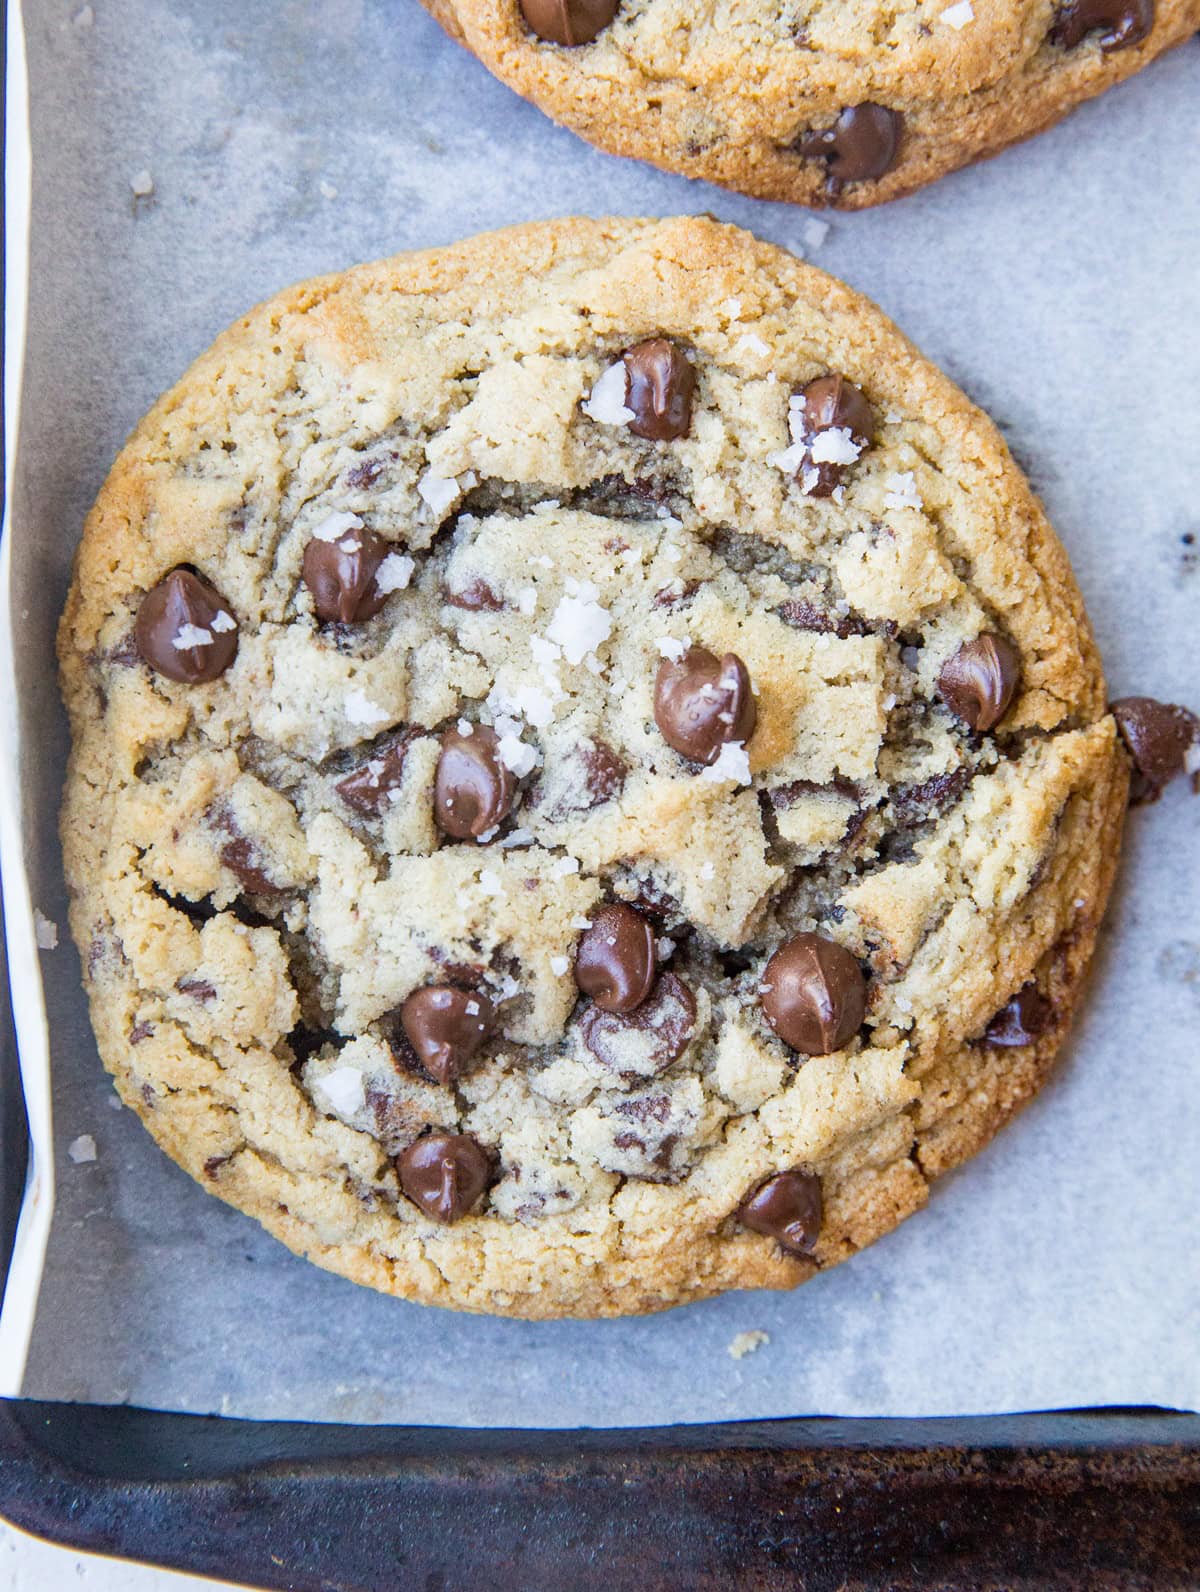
1058 284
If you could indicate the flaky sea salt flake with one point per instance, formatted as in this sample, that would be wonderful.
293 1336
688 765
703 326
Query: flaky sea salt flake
834 446
606 402
559 965
142 184
902 491
957 16
437 492
395 572
519 758
579 626
82 1149
343 1089
45 931
751 343
668 647
361 710
191 636
334 526
733 762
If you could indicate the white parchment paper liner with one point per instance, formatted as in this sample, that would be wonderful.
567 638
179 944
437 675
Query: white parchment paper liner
1058 284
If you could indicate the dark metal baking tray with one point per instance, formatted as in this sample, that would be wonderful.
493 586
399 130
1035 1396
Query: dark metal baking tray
1082 1498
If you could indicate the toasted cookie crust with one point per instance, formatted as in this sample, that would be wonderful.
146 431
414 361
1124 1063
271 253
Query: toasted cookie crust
458 578
728 93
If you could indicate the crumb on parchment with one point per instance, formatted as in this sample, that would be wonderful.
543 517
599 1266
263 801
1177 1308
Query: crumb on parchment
746 1342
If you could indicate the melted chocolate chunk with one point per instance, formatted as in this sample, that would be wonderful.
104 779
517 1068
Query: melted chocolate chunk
341 575
1025 1018
914 803
787 1207
242 855
670 598
1124 23
862 144
360 476
702 701
831 403
615 960
185 630
813 994
444 1174
659 386
476 596
980 680
569 22
604 772
803 615
198 988
663 1024
368 789
473 791
445 1027
1159 736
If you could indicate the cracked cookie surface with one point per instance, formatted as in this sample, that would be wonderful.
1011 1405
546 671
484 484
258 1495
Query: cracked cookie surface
814 101
591 782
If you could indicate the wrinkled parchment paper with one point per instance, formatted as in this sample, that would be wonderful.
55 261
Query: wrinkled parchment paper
1059 284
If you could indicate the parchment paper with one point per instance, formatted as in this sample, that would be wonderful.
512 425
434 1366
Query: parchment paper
1059 284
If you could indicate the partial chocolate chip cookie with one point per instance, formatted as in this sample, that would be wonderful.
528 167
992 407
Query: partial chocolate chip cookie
591 779
817 101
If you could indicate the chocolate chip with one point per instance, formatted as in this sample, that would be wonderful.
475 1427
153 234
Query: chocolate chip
702 701
1025 1018
368 789
672 596
664 1022
476 595
916 803
473 790
614 963
831 403
1159 736
140 1032
184 629
198 988
787 1207
569 22
214 1164
604 771
659 384
361 476
242 855
861 145
341 575
1125 22
813 994
444 1174
979 681
445 1027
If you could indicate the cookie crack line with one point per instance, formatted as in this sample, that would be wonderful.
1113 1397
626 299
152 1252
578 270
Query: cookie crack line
596 819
